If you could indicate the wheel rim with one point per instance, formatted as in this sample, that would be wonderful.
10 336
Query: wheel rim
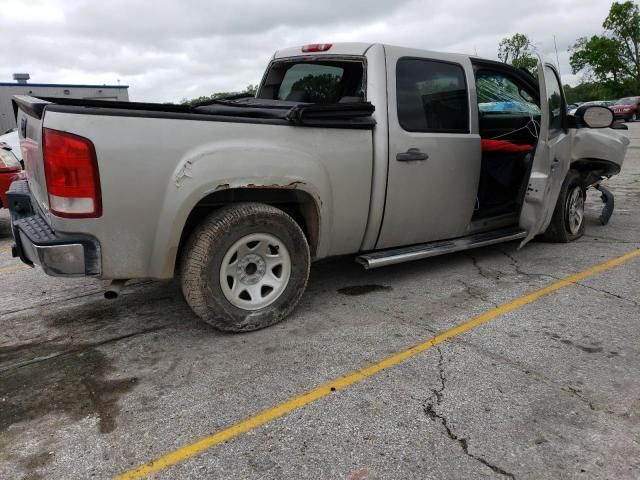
575 210
255 271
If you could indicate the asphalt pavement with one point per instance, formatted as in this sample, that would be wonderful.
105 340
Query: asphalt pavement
91 388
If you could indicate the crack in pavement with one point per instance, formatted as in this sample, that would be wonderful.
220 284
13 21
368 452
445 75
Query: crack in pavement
80 348
534 374
578 393
63 298
469 289
606 292
515 264
430 410
600 290
481 270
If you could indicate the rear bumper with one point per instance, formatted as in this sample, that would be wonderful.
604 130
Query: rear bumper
59 254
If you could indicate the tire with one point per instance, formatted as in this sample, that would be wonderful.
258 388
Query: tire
245 267
567 223
634 117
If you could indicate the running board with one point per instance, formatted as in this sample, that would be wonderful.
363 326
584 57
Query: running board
382 258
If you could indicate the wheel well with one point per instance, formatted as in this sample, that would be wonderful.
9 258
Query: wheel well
594 169
298 204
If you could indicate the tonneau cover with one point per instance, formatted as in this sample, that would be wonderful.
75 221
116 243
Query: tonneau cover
310 114
250 110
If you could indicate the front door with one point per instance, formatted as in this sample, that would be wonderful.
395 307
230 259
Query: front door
434 159
548 170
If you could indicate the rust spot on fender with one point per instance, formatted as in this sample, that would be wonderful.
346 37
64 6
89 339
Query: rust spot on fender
288 186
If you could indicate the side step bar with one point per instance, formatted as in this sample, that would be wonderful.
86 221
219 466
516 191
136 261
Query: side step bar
382 258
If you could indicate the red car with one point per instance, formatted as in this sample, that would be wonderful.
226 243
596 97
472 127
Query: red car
9 168
627 108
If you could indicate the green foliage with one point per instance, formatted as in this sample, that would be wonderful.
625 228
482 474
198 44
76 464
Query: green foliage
613 58
598 56
517 50
323 88
588 91
249 91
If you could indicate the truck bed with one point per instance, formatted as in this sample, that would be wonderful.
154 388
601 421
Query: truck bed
156 162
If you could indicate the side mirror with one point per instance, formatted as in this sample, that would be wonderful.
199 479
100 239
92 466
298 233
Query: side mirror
595 116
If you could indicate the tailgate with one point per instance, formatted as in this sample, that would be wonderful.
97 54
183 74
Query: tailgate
30 115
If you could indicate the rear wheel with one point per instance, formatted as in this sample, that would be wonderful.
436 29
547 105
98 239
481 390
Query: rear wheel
245 267
567 223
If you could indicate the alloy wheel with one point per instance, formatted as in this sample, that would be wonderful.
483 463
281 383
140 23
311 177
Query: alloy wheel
575 209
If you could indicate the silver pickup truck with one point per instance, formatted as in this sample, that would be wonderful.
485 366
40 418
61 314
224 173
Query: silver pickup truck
392 154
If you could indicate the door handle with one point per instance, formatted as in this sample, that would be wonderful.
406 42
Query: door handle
411 155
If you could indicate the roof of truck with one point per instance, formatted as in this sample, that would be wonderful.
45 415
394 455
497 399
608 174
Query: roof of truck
360 48
342 48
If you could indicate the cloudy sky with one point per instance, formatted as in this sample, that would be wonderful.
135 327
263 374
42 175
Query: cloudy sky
169 50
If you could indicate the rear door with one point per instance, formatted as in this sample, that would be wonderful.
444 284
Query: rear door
434 158
551 159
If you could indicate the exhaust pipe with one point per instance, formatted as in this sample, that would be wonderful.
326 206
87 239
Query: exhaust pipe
113 290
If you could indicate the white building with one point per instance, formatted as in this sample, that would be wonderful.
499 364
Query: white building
21 87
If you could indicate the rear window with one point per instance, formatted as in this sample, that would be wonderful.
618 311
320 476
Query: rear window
627 101
432 96
314 81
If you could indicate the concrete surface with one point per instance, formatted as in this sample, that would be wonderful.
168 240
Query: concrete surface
90 388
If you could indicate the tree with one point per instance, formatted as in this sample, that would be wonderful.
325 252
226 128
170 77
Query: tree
323 88
588 91
518 51
612 58
249 91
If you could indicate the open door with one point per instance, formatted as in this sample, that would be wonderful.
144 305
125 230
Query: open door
547 171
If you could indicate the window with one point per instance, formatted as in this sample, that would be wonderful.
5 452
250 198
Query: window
318 83
431 96
327 81
554 98
497 93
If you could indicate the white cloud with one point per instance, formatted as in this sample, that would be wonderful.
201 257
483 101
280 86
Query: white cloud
168 50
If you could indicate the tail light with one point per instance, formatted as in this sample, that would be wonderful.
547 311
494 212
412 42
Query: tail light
8 161
316 47
71 170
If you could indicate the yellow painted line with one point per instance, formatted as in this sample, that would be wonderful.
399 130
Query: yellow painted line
199 446
14 268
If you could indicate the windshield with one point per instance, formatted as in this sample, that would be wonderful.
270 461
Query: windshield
626 101
311 81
